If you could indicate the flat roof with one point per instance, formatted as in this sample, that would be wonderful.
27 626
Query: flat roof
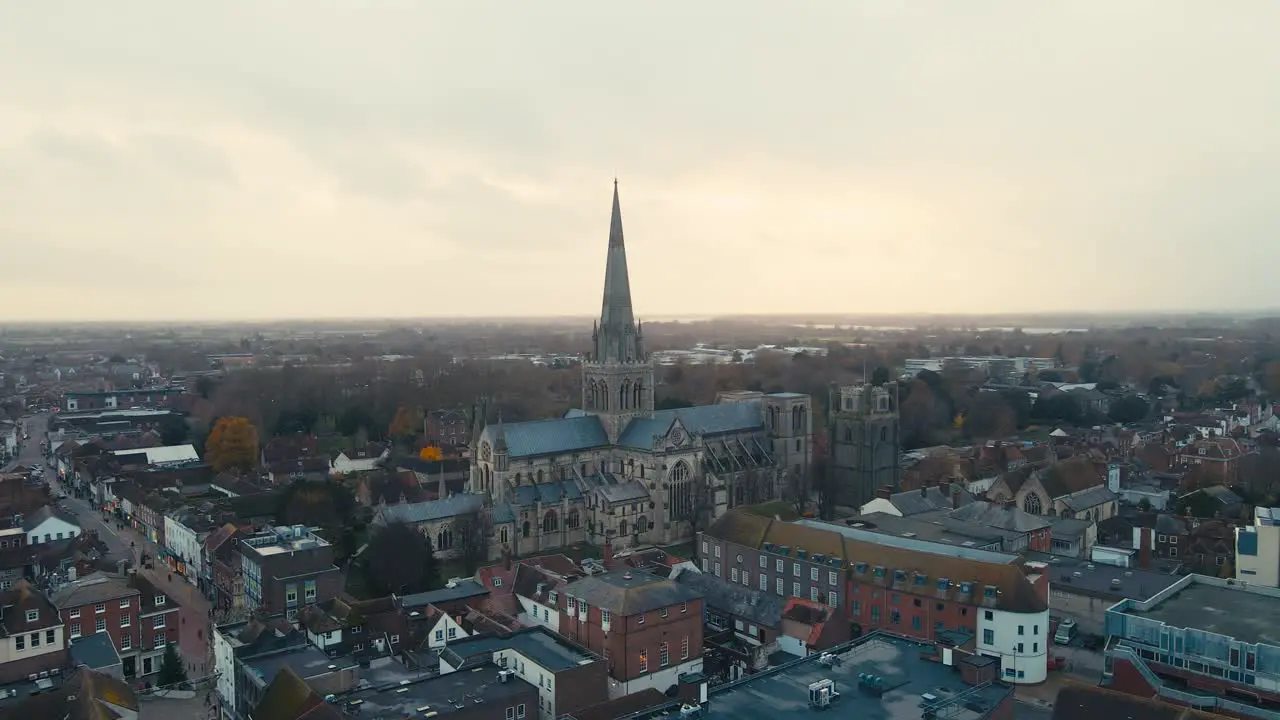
306 661
1234 612
914 544
784 692
538 644
1078 576
438 695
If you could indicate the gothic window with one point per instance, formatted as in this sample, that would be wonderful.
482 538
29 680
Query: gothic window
642 524
524 529
444 539
882 402
604 396
539 475
622 527
504 534
573 521
518 477
1031 504
884 434
638 391
848 433
550 523
624 389
797 418
680 472
584 469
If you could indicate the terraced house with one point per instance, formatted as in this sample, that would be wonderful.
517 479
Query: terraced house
989 602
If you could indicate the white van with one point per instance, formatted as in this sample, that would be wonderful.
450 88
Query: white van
1066 630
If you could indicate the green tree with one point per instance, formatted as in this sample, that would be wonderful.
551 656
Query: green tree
172 671
1129 409
174 430
880 375
400 560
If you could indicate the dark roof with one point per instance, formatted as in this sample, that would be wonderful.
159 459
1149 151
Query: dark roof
31 520
88 695
95 652
549 650
288 697
17 602
630 592
739 601
645 700
461 591
1076 701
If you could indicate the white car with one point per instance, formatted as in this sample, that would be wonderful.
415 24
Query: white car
1066 630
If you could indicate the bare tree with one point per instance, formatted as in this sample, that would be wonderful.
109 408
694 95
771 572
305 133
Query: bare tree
472 533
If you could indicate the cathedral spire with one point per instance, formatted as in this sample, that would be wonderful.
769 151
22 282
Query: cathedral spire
616 341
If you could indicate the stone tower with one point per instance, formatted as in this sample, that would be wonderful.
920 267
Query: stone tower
617 377
864 441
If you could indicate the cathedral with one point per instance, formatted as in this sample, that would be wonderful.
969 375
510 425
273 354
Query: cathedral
614 469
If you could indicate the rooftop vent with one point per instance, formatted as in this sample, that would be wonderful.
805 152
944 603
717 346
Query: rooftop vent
626 575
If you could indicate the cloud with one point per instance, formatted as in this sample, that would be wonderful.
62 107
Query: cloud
452 158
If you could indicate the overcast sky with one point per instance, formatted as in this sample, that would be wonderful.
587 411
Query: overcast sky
272 159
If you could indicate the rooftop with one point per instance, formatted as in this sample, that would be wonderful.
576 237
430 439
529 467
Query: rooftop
460 591
1078 576
911 682
1246 614
306 661
436 696
289 538
630 592
538 644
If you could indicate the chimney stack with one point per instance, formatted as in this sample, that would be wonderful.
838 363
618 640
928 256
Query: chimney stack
608 552
955 495
1144 548
884 493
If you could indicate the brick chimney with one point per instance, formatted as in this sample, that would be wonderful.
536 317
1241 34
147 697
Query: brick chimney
955 495
1145 536
886 492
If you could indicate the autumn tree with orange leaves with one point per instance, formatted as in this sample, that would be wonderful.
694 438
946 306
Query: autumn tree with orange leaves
431 453
232 445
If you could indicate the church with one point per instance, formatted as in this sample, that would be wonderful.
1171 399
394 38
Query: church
616 470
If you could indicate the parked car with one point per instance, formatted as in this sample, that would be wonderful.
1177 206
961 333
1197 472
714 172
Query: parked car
1066 630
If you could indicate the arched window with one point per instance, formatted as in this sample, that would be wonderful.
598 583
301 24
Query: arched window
504 534
444 539
680 472
604 396
622 527
631 467
848 433
524 529
624 388
1031 504
642 524
797 419
573 521
539 475
518 478
637 390
550 523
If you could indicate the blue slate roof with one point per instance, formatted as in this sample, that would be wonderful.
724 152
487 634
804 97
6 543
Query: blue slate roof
550 492
705 419
557 435
431 510
504 513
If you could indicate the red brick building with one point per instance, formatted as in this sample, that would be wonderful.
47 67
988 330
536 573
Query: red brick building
32 636
447 429
647 628
140 619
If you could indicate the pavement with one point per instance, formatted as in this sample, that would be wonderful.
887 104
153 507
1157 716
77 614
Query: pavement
123 542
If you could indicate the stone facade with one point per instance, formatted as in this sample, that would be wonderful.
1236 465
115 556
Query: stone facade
864 441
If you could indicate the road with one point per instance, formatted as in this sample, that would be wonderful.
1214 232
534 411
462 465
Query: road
29 450
123 542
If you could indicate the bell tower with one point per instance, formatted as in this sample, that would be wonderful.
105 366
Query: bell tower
617 377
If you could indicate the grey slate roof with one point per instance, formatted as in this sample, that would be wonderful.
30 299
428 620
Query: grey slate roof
999 516
616 490
914 502
754 606
431 510
557 435
540 645
547 493
94 651
715 419
1069 527
629 592
1089 498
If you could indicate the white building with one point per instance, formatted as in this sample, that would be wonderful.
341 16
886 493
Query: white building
1019 639
1258 549
356 461
49 525
186 544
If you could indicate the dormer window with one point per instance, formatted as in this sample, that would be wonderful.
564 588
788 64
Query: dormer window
1201 451
160 600
33 615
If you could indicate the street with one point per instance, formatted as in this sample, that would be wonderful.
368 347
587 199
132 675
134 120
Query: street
123 542
29 451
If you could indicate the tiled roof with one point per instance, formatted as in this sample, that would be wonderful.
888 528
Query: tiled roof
851 546
755 606
557 435
1089 498
721 418
547 493
914 502
1069 476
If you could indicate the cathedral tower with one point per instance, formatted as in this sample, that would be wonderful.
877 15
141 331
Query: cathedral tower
617 377
863 441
